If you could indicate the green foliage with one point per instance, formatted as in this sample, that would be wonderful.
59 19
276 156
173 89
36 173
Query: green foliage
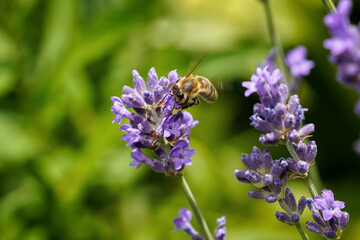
64 170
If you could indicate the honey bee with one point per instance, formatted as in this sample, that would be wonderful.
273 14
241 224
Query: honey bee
186 90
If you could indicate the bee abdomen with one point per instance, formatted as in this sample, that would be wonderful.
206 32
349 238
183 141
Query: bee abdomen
208 91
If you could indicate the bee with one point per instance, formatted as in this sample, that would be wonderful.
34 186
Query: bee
187 89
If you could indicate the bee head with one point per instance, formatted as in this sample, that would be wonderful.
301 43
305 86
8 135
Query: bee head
176 92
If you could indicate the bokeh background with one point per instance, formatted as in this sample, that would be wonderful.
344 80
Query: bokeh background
64 171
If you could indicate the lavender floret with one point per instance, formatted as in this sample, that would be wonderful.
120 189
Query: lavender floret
297 62
220 231
183 223
264 173
328 205
296 209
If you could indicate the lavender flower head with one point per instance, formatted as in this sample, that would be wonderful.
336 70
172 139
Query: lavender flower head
296 209
331 213
264 173
183 223
280 118
344 46
153 125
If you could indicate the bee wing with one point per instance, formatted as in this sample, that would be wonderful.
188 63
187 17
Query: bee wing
195 65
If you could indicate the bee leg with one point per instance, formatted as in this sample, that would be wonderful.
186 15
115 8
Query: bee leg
196 101
186 104
186 101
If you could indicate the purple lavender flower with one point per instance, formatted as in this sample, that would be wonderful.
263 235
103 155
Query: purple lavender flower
220 231
278 117
183 222
297 209
344 46
153 125
177 125
266 174
296 61
306 155
331 213
299 65
328 205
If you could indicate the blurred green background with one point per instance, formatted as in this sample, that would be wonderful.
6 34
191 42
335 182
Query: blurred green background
64 170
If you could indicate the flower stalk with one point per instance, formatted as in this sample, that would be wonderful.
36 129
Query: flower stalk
275 42
329 5
194 206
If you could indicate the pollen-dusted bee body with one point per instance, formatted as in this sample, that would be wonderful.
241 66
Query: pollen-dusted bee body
189 87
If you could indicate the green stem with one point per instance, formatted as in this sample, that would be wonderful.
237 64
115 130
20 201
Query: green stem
276 43
292 151
199 217
311 186
329 5
307 179
298 225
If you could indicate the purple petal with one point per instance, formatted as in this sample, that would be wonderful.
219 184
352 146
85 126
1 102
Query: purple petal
320 203
139 82
313 227
152 79
282 217
240 175
257 194
149 97
329 233
270 198
173 76
301 205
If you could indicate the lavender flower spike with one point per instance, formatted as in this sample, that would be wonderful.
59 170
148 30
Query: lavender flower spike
153 125
344 46
278 117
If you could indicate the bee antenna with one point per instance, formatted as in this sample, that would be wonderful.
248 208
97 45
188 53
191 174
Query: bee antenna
196 65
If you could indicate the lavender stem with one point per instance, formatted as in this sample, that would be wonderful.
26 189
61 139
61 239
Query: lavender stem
311 186
329 5
275 42
199 217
